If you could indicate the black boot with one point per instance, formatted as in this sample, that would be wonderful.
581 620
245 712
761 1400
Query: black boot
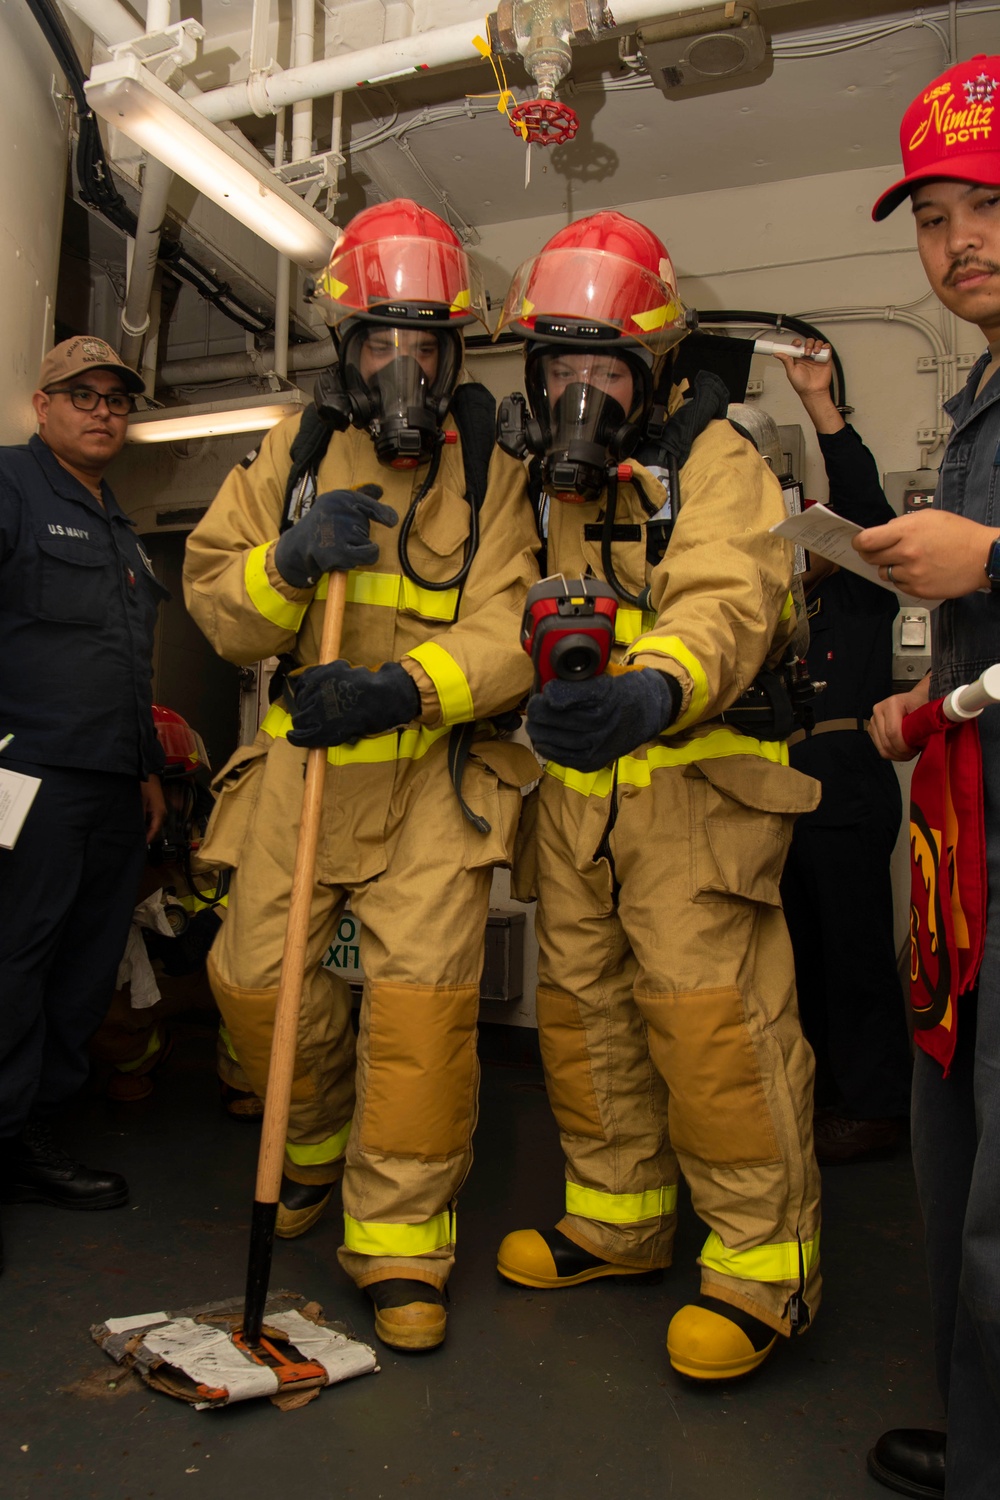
34 1169
910 1460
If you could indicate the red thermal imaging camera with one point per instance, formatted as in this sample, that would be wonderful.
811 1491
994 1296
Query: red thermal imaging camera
569 627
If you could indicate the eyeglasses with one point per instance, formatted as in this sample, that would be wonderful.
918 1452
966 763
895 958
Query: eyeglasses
85 398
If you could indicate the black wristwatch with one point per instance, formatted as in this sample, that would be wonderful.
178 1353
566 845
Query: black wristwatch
993 568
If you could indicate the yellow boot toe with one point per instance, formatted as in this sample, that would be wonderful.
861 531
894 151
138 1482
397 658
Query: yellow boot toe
531 1257
524 1257
408 1314
300 1206
707 1345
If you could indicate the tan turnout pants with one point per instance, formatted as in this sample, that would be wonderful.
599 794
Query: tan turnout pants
669 1027
400 1124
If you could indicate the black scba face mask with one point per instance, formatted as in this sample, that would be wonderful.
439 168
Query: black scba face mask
397 384
588 411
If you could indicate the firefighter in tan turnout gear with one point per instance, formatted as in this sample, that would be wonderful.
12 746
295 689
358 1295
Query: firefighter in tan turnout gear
422 794
666 1003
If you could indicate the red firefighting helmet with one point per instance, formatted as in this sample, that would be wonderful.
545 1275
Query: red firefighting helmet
950 132
399 263
182 747
610 277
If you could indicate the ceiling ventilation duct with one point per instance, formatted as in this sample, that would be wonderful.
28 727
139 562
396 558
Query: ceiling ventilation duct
710 45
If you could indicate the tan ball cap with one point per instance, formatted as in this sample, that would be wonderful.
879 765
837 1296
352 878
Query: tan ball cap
78 355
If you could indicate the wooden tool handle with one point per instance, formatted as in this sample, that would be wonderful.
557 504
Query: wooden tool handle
293 959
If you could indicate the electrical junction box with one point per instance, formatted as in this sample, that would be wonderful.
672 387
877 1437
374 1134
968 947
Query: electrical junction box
911 646
910 489
503 968
707 44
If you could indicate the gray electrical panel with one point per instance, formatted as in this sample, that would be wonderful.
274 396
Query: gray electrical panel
910 489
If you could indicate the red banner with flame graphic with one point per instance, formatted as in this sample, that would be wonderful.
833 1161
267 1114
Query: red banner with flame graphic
947 874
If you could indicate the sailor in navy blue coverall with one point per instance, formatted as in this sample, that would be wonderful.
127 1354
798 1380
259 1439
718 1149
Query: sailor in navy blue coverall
836 888
78 603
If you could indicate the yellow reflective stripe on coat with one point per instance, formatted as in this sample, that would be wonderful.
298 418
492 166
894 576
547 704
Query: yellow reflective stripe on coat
672 645
450 682
630 623
393 591
377 749
763 1262
321 1152
265 597
787 608
620 1208
636 771
367 1238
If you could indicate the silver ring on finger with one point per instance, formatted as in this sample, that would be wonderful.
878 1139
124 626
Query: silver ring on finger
888 574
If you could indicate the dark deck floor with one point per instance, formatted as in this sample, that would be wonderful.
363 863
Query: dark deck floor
534 1394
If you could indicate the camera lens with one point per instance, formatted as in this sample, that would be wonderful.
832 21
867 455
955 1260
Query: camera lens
575 656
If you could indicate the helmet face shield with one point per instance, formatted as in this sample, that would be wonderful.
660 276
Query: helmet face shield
400 382
601 294
399 279
588 406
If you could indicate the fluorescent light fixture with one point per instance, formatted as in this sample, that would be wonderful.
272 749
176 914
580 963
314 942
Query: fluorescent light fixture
175 424
132 99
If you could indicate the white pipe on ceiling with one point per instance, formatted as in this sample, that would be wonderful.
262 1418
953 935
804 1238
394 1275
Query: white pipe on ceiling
303 54
389 60
203 370
156 181
108 20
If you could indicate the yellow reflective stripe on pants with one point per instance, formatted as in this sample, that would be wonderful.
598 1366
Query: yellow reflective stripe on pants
450 682
265 597
406 744
637 771
152 1046
672 645
393 591
620 1208
366 1238
763 1262
227 1041
630 623
321 1152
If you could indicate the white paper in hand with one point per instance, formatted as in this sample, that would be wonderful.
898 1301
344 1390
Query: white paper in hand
821 530
17 793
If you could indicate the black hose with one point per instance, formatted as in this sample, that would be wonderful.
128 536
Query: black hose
402 543
797 325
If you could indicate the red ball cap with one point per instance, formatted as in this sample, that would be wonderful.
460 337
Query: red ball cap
950 131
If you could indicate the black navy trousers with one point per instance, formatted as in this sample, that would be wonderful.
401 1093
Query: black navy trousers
67 891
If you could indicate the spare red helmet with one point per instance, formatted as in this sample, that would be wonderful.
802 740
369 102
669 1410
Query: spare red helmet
603 280
399 263
183 749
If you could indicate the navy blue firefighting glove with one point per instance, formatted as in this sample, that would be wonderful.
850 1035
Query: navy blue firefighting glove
339 704
587 725
332 536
